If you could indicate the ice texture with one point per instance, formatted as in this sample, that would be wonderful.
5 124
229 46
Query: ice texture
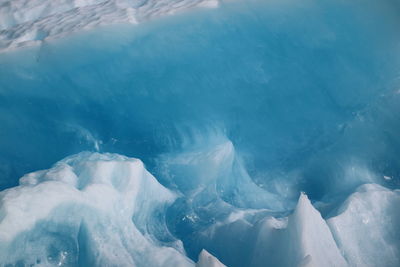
29 22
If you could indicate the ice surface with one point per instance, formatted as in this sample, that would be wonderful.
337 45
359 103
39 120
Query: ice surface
27 22
234 111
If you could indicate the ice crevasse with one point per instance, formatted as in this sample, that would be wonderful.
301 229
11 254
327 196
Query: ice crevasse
106 209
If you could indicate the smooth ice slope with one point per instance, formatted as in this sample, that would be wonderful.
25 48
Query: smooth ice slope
28 22
88 210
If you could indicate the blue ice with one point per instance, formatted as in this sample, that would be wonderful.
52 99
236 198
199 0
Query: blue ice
257 133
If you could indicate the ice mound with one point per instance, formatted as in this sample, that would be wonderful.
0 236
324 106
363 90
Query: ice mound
27 22
91 210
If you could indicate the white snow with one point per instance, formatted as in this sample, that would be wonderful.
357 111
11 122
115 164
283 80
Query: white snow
29 22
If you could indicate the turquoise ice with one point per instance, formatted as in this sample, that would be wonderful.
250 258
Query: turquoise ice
237 133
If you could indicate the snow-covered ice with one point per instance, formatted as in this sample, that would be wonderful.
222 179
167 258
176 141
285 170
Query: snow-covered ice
30 22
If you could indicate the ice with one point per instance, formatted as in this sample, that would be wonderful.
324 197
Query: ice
215 188
364 233
215 168
30 22
89 209
208 260
301 239
310 240
107 209
367 227
233 110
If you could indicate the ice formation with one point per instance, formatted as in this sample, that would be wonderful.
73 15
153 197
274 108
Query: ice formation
106 209
91 210
259 133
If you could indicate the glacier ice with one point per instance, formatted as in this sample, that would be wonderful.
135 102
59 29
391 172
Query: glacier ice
269 132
